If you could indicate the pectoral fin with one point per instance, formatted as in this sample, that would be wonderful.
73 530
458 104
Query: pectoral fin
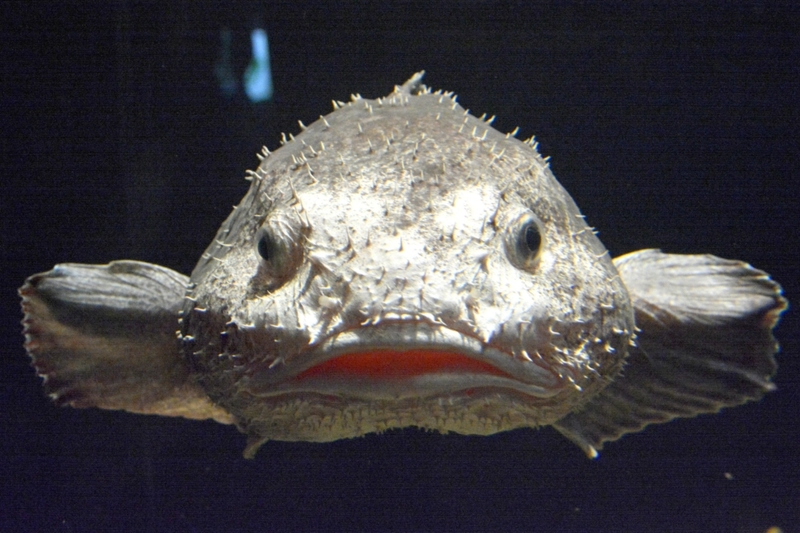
105 336
705 342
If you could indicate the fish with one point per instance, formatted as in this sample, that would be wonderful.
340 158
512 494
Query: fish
401 263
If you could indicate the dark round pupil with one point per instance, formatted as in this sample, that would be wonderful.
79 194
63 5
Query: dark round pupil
266 248
532 237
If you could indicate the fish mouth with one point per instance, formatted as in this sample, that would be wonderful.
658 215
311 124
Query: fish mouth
403 360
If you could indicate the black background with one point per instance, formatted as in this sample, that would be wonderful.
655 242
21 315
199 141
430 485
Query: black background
673 125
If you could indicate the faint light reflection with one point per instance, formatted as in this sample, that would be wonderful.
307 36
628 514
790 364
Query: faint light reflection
258 76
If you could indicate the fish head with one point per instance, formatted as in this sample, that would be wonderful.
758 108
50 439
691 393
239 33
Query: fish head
401 263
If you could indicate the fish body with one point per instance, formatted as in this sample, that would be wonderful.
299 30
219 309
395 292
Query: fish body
402 263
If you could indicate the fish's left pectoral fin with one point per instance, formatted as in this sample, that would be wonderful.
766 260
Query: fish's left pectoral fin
704 342
105 336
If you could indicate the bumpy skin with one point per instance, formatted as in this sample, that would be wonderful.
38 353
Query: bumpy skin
397 223
400 264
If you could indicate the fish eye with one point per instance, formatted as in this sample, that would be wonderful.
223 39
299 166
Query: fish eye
524 240
279 252
530 239
266 246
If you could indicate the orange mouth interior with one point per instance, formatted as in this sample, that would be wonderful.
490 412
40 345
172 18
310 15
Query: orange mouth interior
394 365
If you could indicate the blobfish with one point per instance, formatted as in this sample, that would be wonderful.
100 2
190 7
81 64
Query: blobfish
400 263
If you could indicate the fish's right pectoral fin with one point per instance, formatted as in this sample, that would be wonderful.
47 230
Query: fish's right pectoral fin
704 343
105 336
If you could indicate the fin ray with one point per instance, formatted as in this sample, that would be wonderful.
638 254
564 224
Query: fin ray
705 343
105 336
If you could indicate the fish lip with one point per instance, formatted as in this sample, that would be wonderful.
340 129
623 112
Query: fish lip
528 378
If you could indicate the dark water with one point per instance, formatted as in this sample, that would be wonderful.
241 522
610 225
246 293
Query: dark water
672 126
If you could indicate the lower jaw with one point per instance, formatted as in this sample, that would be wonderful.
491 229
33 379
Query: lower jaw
411 390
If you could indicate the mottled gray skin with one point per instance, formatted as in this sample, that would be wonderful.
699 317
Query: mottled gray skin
401 263
399 221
